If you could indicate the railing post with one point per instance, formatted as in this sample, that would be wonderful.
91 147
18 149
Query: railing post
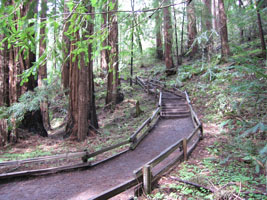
147 176
185 148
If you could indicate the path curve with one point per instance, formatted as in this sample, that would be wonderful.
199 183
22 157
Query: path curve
86 184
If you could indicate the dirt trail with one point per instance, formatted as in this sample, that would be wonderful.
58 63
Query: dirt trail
88 183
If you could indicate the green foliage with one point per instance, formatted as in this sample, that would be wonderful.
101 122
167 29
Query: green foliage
30 102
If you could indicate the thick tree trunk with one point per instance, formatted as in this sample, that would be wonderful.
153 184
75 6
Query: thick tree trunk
192 29
168 39
42 73
4 100
113 94
81 98
159 47
225 51
263 45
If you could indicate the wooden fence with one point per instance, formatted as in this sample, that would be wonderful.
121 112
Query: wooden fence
143 176
133 141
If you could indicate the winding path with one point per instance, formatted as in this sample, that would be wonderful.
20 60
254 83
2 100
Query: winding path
86 184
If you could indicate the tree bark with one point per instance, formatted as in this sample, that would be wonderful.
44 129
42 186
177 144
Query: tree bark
113 95
168 39
42 73
225 51
215 15
4 100
263 45
158 21
81 98
104 52
192 29
176 36
66 54
208 25
182 32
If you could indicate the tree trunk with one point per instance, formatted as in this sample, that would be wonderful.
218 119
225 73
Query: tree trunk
168 39
81 98
132 43
66 53
4 100
192 29
263 45
176 36
113 95
19 61
215 16
42 73
208 25
182 33
225 51
104 52
159 47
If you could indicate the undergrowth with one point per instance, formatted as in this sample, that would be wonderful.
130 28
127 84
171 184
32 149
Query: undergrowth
232 97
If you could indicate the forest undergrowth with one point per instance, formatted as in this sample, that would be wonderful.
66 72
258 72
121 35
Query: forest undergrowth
230 98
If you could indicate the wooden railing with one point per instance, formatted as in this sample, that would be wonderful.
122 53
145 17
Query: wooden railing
143 176
133 142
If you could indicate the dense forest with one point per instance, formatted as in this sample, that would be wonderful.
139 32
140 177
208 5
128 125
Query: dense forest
68 71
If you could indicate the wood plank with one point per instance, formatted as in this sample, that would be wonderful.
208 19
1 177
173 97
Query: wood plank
147 179
109 158
137 142
116 190
107 149
155 113
160 99
134 135
38 172
164 154
192 134
44 158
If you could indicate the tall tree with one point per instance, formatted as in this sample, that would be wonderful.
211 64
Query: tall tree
66 51
208 23
192 28
168 38
176 35
113 66
104 52
182 32
82 112
215 16
158 22
263 45
4 100
225 50
42 73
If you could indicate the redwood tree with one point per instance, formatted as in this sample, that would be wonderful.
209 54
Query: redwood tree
82 112
42 73
113 95
225 50
168 38
192 28
158 27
